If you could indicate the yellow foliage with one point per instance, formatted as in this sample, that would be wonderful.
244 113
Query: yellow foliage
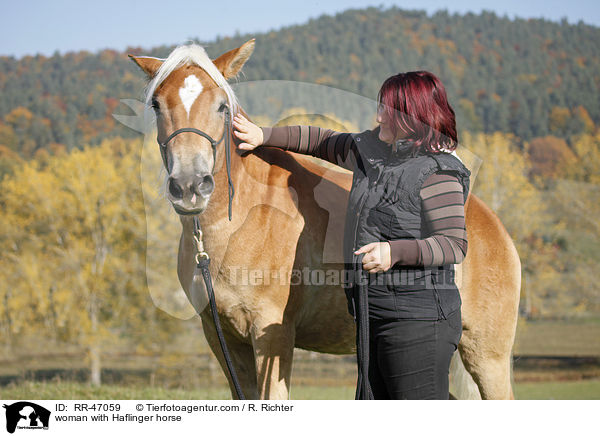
587 166
354 59
72 240
559 116
18 115
503 185
556 229
8 138
583 114
300 116
549 156
528 78
502 180
325 80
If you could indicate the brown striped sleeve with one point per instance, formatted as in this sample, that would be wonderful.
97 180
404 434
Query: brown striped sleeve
325 144
443 209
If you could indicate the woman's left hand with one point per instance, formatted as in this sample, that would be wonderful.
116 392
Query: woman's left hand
378 256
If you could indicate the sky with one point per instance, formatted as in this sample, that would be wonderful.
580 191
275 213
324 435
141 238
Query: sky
29 27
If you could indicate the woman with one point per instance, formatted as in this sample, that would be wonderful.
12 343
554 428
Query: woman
406 220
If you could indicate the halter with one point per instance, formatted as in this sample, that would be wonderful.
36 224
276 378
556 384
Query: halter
214 144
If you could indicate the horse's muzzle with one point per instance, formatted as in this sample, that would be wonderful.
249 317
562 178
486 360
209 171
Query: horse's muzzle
190 195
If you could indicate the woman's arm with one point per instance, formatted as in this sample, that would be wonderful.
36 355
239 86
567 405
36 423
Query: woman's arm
443 206
325 144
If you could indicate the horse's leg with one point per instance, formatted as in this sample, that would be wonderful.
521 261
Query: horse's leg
462 385
274 353
491 371
490 284
242 356
486 346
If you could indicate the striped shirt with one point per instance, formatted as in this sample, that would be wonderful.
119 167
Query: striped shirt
442 202
325 144
441 194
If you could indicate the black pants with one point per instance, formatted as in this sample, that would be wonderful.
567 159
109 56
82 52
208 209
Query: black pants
410 359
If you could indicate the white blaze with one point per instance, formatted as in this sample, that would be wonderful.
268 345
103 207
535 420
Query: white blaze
188 93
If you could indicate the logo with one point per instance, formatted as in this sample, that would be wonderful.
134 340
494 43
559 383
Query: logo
26 415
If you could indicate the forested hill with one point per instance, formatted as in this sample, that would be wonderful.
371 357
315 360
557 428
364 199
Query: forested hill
529 77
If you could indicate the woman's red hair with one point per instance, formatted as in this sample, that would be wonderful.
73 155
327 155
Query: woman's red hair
417 105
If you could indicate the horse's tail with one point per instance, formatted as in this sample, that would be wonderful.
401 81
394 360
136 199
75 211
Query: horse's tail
462 385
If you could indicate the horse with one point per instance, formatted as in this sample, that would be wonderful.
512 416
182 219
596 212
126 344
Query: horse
278 228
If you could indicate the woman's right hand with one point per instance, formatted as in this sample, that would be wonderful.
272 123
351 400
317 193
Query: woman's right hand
248 132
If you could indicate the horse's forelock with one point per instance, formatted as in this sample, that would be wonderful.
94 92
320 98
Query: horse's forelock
191 54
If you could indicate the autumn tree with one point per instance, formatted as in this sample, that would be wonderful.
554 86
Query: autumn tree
72 242
549 156
575 202
503 184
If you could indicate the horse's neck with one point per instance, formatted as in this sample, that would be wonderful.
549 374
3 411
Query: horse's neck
260 180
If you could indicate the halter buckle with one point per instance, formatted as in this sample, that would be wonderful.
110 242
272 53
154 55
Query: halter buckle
200 255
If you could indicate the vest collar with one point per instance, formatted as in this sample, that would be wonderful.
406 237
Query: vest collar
380 152
401 148
404 149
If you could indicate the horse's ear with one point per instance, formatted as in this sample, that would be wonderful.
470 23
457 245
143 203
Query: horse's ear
230 63
146 63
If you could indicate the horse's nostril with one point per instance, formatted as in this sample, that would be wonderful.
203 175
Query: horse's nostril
205 186
174 189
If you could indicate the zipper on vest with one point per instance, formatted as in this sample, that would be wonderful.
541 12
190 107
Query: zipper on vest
362 204
360 208
437 296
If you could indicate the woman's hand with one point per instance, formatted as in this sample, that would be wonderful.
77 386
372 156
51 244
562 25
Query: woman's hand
248 132
378 256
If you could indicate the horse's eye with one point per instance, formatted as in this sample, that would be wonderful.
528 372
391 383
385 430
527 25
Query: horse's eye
155 104
222 107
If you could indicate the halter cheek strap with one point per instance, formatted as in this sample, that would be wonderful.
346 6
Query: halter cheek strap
226 135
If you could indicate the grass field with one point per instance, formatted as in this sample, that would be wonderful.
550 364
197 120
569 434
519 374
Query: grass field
569 390
558 338
194 373
573 390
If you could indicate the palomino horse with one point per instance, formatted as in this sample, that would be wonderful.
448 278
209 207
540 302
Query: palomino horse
277 226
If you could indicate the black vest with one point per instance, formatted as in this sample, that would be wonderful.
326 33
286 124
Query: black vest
385 204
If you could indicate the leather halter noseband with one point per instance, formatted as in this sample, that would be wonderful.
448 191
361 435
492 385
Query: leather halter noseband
214 144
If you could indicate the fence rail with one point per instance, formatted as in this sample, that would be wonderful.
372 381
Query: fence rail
201 370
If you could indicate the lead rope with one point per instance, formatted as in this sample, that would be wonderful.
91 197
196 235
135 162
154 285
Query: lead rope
202 262
363 387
